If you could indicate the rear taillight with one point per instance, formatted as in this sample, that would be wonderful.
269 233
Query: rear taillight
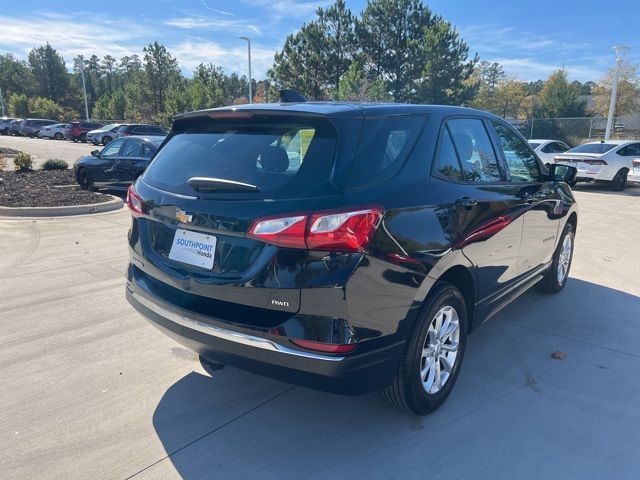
134 202
325 347
345 230
283 231
595 162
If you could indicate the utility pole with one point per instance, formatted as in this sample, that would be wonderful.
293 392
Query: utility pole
620 53
2 103
249 55
84 89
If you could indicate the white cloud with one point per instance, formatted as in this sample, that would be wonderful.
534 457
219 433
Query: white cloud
531 69
233 59
287 8
72 37
200 23
221 12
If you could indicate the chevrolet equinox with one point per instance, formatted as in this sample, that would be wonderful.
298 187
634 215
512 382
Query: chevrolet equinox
344 247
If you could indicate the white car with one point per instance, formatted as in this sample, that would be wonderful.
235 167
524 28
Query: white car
104 134
55 131
634 174
548 149
610 161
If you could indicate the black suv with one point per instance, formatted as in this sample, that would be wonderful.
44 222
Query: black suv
140 129
348 248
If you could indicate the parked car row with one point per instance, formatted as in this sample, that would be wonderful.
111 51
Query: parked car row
614 162
79 131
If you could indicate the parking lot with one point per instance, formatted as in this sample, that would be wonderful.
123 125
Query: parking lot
44 149
90 390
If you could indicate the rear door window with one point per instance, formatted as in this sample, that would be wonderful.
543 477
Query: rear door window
384 146
132 148
283 156
147 151
447 164
475 152
522 163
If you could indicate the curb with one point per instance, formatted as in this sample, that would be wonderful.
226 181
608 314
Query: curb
114 204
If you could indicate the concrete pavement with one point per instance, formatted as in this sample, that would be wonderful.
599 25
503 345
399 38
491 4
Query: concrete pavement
89 390
45 149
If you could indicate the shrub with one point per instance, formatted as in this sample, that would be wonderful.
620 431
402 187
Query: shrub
23 162
55 164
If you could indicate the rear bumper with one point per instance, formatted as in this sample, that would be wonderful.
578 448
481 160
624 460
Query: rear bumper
363 371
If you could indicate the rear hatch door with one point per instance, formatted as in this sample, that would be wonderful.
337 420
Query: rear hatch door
206 185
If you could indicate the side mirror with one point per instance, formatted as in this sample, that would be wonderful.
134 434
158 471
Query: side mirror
95 153
562 173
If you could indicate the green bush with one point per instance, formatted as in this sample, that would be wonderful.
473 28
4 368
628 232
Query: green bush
55 164
23 162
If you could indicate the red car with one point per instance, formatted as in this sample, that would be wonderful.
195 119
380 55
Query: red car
78 130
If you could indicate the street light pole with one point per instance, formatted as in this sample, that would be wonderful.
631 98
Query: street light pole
84 89
620 53
2 103
249 55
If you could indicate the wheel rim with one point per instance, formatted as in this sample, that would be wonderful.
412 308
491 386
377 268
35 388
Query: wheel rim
84 179
564 258
106 140
440 350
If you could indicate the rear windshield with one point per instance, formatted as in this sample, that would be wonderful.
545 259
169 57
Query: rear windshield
592 148
283 156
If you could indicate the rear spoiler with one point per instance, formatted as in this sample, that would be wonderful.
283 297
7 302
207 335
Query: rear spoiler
291 96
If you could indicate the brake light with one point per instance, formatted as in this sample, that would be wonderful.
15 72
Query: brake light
595 162
134 202
345 230
326 347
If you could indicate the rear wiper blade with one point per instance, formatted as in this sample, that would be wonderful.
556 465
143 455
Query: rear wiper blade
203 184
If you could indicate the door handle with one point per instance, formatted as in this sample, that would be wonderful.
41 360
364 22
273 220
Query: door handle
466 202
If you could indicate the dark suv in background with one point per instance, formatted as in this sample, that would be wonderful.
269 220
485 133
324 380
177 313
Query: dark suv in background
349 248
77 131
31 126
140 129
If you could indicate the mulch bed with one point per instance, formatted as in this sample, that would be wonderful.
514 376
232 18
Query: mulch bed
36 188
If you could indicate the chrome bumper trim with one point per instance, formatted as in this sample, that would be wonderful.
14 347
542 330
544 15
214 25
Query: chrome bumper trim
249 340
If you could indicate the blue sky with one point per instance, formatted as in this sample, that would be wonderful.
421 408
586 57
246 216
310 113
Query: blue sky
529 38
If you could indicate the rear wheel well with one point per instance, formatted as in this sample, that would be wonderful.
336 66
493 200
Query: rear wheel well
461 278
573 220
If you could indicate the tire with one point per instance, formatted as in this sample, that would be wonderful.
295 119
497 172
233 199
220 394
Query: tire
619 181
106 139
554 280
408 391
58 136
83 137
84 179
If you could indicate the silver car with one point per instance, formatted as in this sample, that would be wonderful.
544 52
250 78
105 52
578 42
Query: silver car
104 134
53 131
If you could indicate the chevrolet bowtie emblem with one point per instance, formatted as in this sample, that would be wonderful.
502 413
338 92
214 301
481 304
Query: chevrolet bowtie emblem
183 217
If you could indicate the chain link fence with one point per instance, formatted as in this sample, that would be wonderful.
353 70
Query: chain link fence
575 131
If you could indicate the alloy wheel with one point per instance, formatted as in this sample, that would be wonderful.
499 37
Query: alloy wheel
564 259
440 350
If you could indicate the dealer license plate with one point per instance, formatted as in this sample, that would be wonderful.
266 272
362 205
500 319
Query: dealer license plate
193 248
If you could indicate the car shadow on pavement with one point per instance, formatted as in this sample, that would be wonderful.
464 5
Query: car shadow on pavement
510 402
